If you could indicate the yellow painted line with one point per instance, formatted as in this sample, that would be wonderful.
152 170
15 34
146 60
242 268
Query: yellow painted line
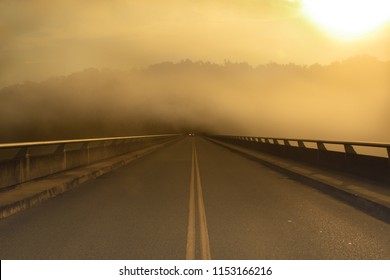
205 253
204 235
190 248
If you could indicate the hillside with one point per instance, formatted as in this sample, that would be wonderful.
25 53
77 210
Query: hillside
343 100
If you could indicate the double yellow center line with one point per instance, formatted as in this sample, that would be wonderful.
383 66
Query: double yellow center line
203 232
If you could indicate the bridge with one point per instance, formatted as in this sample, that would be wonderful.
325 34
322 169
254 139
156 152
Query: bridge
194 197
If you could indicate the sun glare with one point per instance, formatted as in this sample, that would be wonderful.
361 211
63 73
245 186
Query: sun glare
347 18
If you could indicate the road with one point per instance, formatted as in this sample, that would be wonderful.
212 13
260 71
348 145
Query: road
193 199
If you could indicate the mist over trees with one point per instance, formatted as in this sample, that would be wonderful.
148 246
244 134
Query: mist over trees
346 100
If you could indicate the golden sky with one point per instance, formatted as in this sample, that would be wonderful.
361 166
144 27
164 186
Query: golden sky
42 38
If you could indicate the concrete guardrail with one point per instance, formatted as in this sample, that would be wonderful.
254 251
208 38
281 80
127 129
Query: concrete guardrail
370 160
23 162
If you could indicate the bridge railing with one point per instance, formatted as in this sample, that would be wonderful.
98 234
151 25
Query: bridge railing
22 162
371 160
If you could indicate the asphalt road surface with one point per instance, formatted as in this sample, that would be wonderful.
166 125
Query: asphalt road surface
196 200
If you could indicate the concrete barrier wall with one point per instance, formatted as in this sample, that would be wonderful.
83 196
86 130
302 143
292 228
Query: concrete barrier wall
370 160
23 162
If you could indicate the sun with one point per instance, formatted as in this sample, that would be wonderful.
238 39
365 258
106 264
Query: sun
347 18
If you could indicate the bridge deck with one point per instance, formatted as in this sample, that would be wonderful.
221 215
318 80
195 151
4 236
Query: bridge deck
141 211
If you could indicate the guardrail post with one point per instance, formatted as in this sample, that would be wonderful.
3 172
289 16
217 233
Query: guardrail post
88 155
287 146
27 156
320 147
64 164
21 157
21 170
349 153
118 147
61 151
349 149
85 147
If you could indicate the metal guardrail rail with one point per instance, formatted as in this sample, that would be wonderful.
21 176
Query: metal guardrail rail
89 140
25 161
368 159
348 145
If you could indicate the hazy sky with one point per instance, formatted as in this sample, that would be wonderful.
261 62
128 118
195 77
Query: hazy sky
42 38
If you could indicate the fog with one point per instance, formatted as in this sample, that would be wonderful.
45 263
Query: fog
344 100
76 69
